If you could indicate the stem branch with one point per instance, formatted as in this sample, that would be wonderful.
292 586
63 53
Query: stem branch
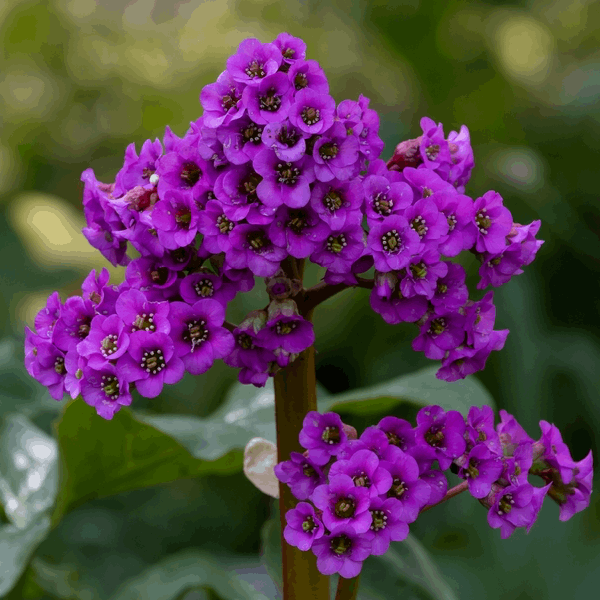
455 491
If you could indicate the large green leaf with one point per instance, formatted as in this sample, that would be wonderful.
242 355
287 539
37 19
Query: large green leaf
406 571
100 458
28 478
175 575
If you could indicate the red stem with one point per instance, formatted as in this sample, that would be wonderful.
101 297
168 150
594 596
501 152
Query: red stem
455 491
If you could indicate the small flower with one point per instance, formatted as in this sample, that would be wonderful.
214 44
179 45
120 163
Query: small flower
342 551
323 435
303 526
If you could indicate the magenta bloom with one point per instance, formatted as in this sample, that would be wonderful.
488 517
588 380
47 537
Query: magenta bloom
439 334
221 101
341 249
441 434
270 100
301 474
47 317
312 112
292 49
291 333
481 430
384 198
285 140
451 291
364 470
175 218
252 248
479 323
399 432
322 435
307 74
493 222
459 211
216 228
106 390
337 202
303 526
48 367
423 273
342 551
336 155
386 526
424 218
139 314
137 170
397 308
73 325
150 363
482 468
200 285
253 61
343 503
241 140
106 341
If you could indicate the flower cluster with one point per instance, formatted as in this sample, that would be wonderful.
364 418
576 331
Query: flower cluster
358 494
274 173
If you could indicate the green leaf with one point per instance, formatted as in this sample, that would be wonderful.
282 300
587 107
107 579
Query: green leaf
101 458
185 571
28 480
405 571
421 388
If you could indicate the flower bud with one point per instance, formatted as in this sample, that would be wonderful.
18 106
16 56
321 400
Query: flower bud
280 287
406 154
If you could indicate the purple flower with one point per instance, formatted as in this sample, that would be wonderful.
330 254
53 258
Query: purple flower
411 493
341 249
515 506
364 470
105 389
153 278
307 74
386 526
236 190
479 323
292 49
422 274
434 148
312 112
517 466
303 526
459 211
342 551
286 329
102 295
106 341
216 227
285 140
480 429
205 284
336 202
150 363
511 433
253 61
370 144
437 482
343 503
493 222
335 154
138 313
299 230
48 367
441 431
241 140
252 248
73 325
481 469
426 183
175 219
424 218
284 182
398 309
451 291
399 432
301 474
247 352
372 438
198 335
221 101
322 435
46 318
270 100
137 170
462 158
439 334
384 198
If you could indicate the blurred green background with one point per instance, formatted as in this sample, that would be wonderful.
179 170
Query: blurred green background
81 79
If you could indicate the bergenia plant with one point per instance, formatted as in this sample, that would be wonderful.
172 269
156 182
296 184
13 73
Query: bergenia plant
275 173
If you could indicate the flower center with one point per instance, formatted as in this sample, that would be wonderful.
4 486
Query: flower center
270 102
442 288
297 222
394 439
190 173
110 386
483 221
332 200
427 192
245 341
379 520
159 275
310 115
345 508
308 471
144 322
142 201
109 345
230 100
419 225
183 217
300 81
391 242
434 437
255 70
419 270
336 243
308 524
248 187
204 288
398 488
328 151
252 133
287 174
331 435
224 224
285 327
451 222
257 240
288 53
437 326
362 480
148 171
153 361
287 137
432 151
382 205
83 329
505 505
59 365
340 544
472 470
196 333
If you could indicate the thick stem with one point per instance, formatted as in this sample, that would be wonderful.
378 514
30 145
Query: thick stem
455 491
347 589
322 291
295 395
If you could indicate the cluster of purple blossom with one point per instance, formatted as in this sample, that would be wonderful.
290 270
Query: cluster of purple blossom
358 495
274 173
